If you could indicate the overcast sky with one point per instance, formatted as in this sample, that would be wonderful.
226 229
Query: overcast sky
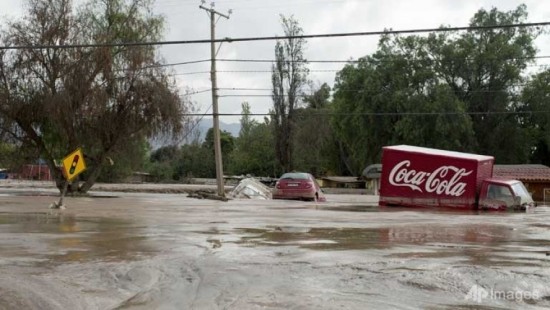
253 18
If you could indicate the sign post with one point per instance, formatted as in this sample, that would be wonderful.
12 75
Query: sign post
72 166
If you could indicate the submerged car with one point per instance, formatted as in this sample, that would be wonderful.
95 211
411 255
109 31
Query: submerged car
298 185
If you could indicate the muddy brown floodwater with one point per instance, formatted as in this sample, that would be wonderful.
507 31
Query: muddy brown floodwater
166 251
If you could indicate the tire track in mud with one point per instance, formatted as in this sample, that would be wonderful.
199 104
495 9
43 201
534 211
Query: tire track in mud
183 282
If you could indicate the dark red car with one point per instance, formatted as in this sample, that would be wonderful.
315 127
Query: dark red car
298 185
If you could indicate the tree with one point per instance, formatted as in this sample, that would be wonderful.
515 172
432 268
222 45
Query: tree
163 162
395 97
456 91
314 141
165 153
319 97
227 142
535 98
254 148
196 160
484 69
122 164
102 99
289 75
247 123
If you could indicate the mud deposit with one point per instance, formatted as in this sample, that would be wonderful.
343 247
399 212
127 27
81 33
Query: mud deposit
151 251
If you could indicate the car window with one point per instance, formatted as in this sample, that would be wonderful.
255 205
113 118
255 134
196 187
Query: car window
295 176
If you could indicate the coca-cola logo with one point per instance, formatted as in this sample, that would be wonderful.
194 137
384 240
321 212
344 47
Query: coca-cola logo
443 180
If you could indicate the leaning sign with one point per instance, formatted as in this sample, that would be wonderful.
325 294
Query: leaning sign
73 165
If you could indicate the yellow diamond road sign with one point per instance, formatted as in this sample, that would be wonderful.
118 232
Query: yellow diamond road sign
73 164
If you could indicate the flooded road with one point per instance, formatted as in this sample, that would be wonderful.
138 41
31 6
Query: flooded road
161 251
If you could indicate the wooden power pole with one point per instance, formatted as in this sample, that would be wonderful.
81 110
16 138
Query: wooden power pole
217 144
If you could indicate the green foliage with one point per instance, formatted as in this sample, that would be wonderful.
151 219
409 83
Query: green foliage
453 91
162 172
319 98
247 123
227 142
165 154
123 164
162 163
172 163
536 97
195 160
254 148
483 69
314 142
8 155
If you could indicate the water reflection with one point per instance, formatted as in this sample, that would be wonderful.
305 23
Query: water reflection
480 244
385 237
58 237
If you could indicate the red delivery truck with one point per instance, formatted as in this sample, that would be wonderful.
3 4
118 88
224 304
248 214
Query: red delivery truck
423 177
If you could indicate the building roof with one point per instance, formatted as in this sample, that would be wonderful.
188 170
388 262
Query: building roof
522 172
342 179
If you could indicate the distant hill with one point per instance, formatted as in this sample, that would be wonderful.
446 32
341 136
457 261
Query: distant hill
201 129
205 124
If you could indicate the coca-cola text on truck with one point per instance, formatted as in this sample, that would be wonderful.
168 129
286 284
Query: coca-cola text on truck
423 177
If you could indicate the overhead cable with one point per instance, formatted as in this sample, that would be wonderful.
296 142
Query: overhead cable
392 113
271 38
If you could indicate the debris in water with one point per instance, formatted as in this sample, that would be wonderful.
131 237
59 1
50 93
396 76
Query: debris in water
252 189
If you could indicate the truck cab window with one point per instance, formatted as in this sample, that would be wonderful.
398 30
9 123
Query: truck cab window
499 192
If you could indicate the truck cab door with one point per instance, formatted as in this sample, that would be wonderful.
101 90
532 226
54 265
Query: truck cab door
496 197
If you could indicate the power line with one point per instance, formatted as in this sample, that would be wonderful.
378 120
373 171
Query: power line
291 61
237 88
304 96
246 71
393 113
333 91
347 90
177 63
271 38
307 70
199 92
350 61
357 60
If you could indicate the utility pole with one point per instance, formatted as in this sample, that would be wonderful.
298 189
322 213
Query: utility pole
217 144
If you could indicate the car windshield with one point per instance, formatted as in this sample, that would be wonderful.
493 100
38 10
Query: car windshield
520 190
295 176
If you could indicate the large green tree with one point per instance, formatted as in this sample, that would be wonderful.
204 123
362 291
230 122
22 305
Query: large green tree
455 91
101 99
395 97
484 69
